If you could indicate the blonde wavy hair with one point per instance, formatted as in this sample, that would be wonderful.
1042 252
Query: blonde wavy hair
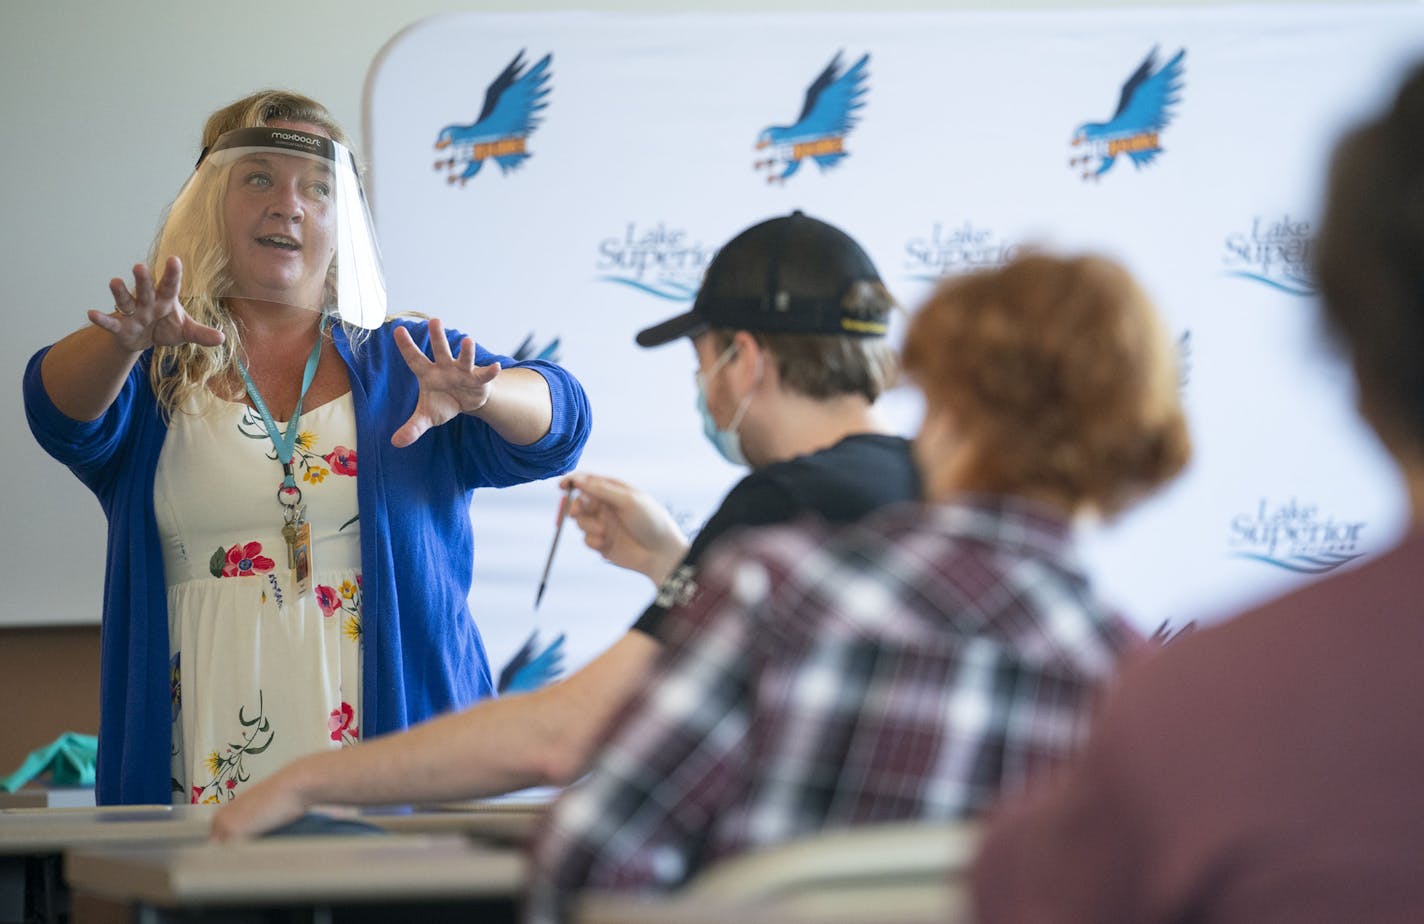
193 231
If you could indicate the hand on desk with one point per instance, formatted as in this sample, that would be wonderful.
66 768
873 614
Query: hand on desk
626 526
269 804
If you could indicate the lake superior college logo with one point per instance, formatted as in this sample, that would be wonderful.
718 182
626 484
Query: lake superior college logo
510 115
661 261
1295 537
819 133
945 252
1143 110
1275 252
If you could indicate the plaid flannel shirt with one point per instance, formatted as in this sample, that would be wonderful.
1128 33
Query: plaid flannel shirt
910 666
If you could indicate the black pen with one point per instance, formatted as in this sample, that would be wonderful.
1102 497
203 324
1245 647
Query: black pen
558 530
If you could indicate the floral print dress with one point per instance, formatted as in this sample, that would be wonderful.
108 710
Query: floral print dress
261 675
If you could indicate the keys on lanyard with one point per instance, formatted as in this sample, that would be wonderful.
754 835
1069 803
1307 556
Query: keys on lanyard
296 531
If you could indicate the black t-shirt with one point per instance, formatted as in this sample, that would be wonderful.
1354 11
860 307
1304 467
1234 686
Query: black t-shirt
840 484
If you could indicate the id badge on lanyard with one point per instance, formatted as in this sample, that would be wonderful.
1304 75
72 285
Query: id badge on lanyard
296 530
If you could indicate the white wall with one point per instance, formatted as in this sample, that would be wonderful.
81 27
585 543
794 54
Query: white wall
101 105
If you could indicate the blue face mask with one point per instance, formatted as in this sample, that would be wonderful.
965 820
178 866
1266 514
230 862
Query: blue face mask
726 442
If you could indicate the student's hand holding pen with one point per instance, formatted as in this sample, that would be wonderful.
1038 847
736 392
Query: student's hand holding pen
626 526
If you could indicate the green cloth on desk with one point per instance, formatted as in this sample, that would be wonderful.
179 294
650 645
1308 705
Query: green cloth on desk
69 760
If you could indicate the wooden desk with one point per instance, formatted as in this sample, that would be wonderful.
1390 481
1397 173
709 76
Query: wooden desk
398 877
52 830
509 820
507 828
32 841
48 797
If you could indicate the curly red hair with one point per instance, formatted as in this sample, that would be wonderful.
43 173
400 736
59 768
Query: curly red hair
1059 379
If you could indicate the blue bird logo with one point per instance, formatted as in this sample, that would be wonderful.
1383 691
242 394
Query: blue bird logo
511 112
828 115
532 667
530 349
1143 110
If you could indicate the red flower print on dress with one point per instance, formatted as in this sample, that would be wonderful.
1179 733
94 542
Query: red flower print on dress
342 461
328 599
246 560
340 724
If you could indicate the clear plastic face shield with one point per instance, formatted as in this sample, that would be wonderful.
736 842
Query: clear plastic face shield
281 214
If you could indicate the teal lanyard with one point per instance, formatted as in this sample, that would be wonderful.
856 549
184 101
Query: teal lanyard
288 495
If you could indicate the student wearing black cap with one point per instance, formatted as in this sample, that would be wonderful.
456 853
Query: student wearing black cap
915 663
788 331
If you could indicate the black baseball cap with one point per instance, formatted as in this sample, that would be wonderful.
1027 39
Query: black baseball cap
789 274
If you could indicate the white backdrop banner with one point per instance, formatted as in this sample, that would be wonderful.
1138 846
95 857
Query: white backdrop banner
565 178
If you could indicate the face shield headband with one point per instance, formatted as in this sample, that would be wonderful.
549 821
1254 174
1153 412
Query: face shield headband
287 208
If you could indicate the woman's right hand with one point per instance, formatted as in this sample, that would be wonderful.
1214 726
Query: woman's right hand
151 315
626 526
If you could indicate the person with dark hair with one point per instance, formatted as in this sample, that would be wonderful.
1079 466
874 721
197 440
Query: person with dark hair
274 456
1263 770
916 663
788 330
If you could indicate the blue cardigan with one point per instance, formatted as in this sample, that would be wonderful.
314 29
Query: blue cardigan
422 653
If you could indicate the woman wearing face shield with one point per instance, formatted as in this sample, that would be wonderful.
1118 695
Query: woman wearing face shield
289 548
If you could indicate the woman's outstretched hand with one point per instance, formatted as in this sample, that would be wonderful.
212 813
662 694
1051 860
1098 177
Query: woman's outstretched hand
151 315
449 385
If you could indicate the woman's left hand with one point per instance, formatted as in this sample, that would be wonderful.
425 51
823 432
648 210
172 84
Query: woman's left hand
449 385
